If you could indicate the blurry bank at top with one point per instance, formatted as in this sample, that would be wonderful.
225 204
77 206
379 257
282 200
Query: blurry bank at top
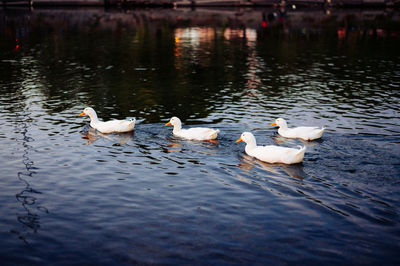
143 58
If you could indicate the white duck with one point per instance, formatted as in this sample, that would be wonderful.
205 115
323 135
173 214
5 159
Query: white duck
306 133
113 126
195 133
271 153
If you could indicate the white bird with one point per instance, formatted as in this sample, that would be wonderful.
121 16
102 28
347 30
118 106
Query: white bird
195 133
306 133
113 126
271 153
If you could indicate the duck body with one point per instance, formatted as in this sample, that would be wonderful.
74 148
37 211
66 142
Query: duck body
271 153
196 133
112 126
305 133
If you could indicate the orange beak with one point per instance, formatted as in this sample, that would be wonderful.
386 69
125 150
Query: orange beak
83 113
273 124
167 124
239 140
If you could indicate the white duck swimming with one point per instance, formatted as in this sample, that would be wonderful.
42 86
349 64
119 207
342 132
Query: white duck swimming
271 153
113 126
195 133
306 133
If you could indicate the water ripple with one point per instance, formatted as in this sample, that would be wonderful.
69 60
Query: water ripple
149 197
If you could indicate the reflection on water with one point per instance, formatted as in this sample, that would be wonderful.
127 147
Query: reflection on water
278 139
177 145
293 171
147 197
92 135
30 218
30 215
254 64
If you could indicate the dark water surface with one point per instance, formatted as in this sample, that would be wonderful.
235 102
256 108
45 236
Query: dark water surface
69 195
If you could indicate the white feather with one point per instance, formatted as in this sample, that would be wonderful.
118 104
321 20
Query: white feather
306 133
196 133
113 126
271 153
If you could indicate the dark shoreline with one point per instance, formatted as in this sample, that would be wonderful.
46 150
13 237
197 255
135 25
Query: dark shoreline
359 4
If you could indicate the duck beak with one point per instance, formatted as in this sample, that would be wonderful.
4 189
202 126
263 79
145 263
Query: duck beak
239 140
167 124
83 113
273 124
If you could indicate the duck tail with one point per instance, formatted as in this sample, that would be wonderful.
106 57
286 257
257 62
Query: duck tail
301 150
321 132
214 134
132 123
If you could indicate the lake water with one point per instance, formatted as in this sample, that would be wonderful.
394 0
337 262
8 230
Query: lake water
69 195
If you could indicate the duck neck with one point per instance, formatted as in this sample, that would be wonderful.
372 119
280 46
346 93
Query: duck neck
177 128
283 125
251 144
93 119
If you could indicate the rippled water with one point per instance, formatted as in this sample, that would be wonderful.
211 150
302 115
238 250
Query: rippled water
71 195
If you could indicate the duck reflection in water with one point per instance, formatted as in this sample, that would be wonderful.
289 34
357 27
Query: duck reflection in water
91 135
293 170
278 139
176 145
173 147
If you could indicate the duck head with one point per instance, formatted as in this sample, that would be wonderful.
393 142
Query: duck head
90 112
280 122
247 137
176 122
